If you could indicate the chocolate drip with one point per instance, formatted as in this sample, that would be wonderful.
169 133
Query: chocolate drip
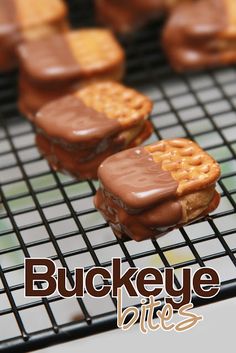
150 223
71 120
136 179
50 59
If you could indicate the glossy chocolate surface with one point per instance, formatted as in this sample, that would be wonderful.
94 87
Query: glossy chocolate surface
203 18
48 59
142 5
125 16
150 223
137 197
192 34
69 119
9 24
82 164
136 179
82 161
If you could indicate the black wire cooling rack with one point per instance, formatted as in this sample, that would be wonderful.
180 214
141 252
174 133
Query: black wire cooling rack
43 213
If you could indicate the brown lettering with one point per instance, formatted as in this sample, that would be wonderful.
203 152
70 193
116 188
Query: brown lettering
78 289
213 282
31 276
142 281
91 289
125 280
185 291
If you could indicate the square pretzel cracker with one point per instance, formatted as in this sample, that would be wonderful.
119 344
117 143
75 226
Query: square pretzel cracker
78 131
61 64
22 20
201 34
147 191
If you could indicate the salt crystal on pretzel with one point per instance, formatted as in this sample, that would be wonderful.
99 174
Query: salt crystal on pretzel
147 191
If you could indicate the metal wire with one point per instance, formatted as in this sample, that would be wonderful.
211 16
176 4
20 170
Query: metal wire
198 106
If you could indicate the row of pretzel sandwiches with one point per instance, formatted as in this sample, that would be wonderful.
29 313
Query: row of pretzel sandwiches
91 126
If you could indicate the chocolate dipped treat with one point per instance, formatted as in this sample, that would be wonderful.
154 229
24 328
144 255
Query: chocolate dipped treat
77 132
63 63
126 16
25 20
201 34
146 192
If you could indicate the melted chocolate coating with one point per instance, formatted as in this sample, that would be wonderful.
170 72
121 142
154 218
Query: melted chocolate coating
125 16
9 33
141 5
150 223
48 59
82 164
8 13
69 119
135 179
33 97
8 17
204 18
191 34
137 197
82 161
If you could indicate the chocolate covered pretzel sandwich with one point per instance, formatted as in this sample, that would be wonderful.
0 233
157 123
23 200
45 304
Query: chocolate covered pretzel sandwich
126 16
63 63
22 20
201 34
78 131
147 191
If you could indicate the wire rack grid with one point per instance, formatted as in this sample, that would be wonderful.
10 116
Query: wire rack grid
44 213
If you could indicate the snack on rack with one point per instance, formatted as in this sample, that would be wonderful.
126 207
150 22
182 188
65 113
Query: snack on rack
27 19
201 34
147 191
61 64
77 132
126 16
